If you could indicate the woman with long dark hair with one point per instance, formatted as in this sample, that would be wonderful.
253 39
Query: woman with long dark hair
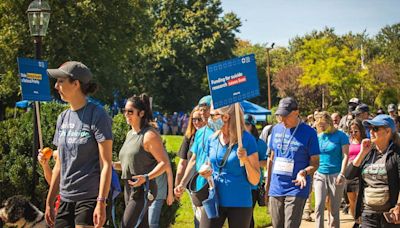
83 136
142 159
357 134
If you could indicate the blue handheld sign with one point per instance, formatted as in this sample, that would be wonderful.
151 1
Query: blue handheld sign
233 80
34 80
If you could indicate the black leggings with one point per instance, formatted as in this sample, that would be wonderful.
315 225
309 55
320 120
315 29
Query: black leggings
134 204
375 220
238 217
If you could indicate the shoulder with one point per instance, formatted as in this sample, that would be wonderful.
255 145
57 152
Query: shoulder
151 133
98 110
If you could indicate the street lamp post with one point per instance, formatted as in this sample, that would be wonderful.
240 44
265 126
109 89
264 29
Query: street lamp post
269 75
39 17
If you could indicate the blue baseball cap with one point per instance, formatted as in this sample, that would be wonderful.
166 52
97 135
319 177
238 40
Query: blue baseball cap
249 119
286 106
206 100
382 120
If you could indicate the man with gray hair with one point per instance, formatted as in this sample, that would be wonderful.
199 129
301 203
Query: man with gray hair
294 157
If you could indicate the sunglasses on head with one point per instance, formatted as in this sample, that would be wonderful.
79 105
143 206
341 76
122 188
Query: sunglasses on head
129 112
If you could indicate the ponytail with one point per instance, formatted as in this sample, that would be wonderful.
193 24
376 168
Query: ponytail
142 103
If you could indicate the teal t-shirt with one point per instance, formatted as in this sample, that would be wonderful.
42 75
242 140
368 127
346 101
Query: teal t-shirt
330 159
198 148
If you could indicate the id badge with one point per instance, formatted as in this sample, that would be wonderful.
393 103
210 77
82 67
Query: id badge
283 166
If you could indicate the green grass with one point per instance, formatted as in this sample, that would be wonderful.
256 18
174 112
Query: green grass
185 213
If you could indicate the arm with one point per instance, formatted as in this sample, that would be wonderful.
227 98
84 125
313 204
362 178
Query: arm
301 179
51 196
263 163
270 160
251 165
117 165
186 177
341 177
180 171
170 195
105 156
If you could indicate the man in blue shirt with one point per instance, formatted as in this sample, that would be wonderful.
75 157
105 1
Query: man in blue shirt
294 156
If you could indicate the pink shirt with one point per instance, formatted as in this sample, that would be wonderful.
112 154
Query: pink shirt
354 149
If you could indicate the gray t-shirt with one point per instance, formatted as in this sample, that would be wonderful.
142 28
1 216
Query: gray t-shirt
77 136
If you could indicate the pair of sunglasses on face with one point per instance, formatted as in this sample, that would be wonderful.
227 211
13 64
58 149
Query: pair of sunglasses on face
199 119
374 128
128 112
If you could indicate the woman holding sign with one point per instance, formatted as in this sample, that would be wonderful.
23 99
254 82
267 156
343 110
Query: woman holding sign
233 180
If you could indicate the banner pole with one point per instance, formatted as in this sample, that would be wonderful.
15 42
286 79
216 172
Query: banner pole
37 109
238 127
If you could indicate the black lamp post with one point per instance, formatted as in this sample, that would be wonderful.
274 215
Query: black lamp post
268 76
39 17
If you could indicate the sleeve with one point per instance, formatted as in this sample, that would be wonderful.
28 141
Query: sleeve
251 144
101 125
352 171
344 140
313 144
195 147
57 131
270 138
262 150
184 149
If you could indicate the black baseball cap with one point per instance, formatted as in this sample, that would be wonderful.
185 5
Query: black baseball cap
73 69
361 108
286 106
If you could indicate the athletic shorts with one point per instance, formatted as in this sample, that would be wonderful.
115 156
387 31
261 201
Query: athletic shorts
75 213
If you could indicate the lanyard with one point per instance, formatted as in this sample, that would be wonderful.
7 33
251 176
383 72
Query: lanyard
223 163
290 139
373 157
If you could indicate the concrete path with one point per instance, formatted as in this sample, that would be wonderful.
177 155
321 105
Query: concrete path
346 221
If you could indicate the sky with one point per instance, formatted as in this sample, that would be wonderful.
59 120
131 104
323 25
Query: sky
278 21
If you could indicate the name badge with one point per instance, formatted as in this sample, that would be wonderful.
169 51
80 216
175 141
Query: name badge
283 166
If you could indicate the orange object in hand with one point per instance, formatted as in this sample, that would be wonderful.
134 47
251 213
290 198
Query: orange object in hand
47 152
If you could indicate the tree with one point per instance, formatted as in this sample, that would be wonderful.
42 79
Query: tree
186 37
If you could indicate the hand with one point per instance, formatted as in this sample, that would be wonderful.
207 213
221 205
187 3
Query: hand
49 215
178 191
206 173
300 179
137 180
366 146
43 161
99 214
396 213
340 179
170 198
242 154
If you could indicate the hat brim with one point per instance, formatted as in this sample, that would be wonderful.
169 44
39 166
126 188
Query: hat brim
391 110
57 73
369 123
282 112
356 112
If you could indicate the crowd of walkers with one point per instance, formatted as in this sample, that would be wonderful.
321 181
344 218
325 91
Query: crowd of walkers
224 160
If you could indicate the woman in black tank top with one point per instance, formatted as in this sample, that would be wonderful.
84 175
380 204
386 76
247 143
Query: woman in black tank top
142 158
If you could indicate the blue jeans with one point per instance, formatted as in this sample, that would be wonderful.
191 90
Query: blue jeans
154 213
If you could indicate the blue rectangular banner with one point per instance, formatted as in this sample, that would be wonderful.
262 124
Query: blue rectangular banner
233 80
34 80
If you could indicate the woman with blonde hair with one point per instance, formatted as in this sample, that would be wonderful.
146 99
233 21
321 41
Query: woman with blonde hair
232 180
329 179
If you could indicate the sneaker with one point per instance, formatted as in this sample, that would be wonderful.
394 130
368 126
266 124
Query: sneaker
346 209
307 216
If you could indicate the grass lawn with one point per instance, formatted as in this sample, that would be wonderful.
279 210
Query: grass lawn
185 212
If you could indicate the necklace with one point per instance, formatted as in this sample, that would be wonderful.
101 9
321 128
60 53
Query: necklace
290 139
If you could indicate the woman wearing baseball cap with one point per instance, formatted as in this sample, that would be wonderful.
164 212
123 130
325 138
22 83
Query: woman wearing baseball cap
83 136
377 167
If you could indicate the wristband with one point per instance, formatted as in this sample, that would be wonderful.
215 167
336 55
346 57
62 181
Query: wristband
146 176
342 175
101 199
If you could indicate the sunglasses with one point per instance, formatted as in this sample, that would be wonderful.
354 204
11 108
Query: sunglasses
354 132
374 128
194 120
128 112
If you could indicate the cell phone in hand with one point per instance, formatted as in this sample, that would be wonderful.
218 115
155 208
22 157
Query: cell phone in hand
389 216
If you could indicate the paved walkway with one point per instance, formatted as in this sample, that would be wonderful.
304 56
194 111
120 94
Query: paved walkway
346 221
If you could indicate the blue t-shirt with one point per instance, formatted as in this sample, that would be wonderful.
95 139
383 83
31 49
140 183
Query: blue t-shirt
233 188
198 148
262 156
330 160
291 153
